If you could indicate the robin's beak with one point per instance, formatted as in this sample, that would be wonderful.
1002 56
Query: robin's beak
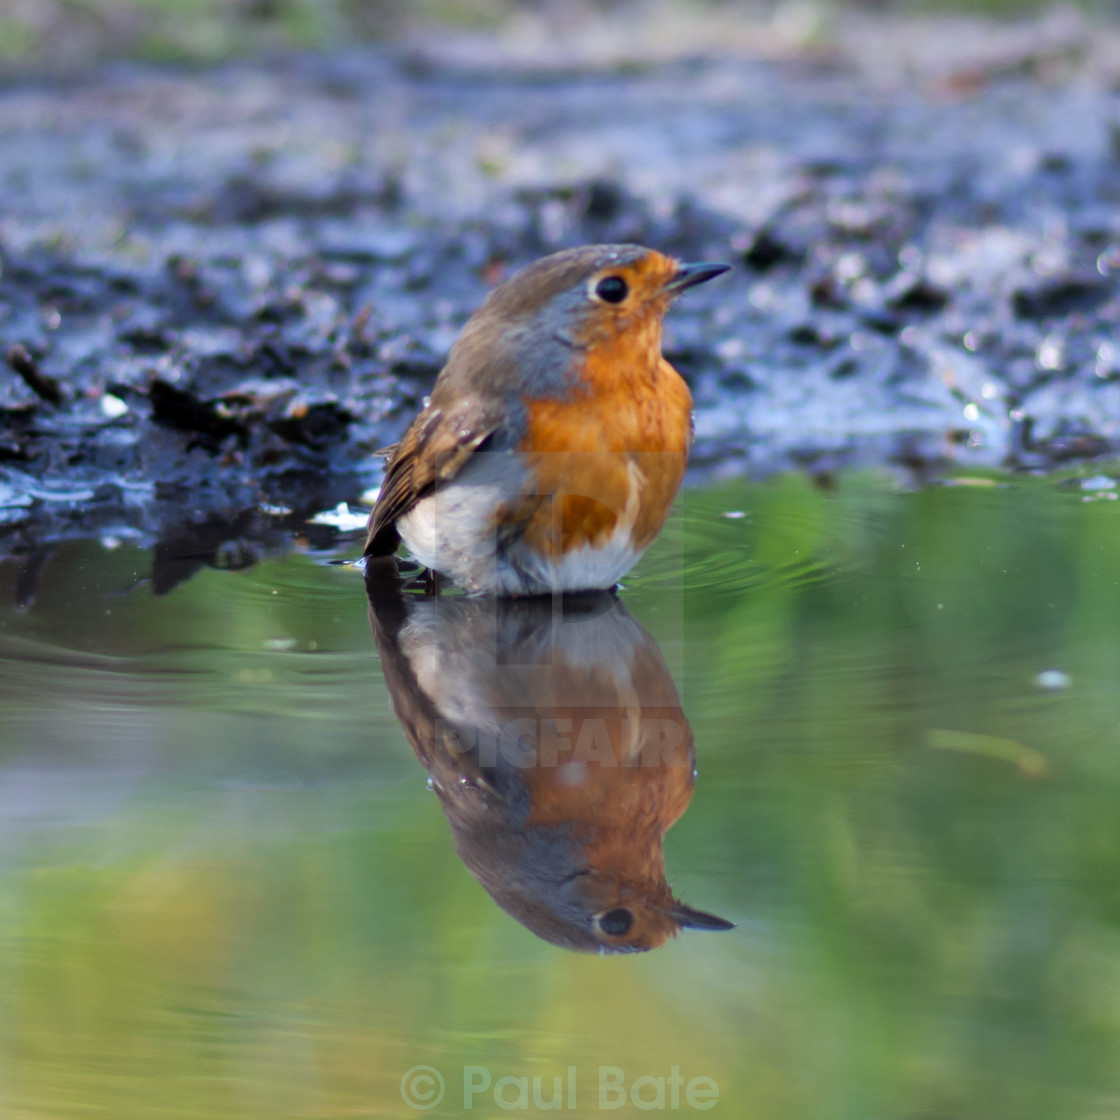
697 919
689 275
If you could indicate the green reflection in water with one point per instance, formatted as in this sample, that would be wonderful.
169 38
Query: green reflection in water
225 891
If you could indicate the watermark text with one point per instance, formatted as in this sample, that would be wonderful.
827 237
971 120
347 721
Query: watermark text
423 1087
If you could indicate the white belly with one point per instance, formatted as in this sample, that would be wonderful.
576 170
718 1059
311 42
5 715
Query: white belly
452 531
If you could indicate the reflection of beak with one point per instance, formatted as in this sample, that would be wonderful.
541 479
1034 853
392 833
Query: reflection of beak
697 919
689 275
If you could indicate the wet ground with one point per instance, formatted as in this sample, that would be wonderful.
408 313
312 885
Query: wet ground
220 290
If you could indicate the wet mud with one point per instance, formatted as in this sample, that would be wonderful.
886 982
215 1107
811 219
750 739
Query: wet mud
222 290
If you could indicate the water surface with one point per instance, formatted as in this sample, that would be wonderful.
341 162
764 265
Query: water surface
226 890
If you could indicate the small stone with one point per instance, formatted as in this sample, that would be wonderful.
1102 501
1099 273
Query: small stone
1053 680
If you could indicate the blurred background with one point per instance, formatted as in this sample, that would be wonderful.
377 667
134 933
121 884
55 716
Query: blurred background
65 33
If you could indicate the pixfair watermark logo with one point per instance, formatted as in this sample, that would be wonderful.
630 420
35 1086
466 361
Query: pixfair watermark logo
535 740
423 1087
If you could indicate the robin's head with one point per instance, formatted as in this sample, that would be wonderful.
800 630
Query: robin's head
597 288
604 299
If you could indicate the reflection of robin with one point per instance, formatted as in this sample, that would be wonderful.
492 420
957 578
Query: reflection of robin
555 439
556 742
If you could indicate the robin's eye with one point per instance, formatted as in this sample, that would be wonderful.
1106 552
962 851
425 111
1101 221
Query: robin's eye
616 922
613 289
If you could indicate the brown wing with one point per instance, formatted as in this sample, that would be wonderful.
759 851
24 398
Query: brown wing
495 358
434 449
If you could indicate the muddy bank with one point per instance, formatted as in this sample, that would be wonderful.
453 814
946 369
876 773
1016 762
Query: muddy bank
223 289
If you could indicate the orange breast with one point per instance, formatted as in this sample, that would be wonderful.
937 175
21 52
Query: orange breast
611 458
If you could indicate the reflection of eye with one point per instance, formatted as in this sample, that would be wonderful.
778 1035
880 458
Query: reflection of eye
616 922
613 289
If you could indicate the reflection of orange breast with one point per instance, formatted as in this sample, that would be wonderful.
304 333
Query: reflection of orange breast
610 459
611 765
613 748
619 778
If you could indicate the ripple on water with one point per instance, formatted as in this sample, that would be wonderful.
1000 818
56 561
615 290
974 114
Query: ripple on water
787 532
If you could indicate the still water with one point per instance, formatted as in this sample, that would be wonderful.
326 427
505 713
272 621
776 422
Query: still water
230 888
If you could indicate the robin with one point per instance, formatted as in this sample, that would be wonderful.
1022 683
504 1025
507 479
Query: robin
556 436
556 743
